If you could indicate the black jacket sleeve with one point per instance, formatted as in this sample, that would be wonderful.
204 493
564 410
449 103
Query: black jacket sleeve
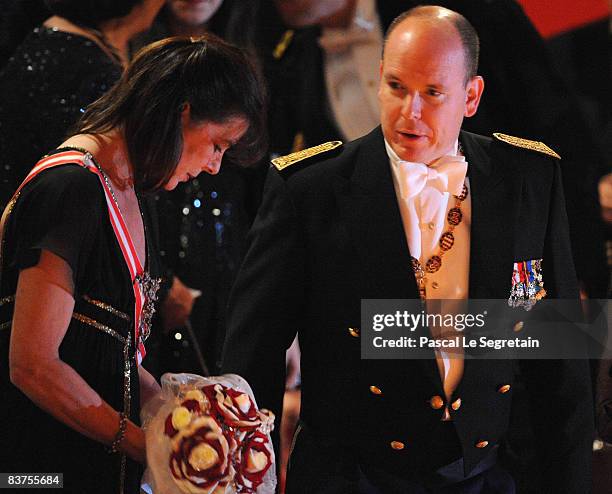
265 306
559 391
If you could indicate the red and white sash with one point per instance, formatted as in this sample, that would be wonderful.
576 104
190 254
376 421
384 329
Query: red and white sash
121 232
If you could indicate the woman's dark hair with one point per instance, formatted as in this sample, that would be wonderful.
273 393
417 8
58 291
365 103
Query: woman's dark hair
91 12
215 78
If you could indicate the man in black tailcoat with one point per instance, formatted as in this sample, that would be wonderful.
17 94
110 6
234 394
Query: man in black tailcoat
525 96
339 223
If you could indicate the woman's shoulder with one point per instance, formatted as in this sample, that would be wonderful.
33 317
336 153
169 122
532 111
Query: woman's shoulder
69 175
69 183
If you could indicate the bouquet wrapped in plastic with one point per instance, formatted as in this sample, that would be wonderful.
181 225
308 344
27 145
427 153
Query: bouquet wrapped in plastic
205 435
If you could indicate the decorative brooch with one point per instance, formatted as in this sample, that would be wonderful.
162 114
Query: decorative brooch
148 287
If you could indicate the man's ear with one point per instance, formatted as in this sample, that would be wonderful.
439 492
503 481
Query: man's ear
475 87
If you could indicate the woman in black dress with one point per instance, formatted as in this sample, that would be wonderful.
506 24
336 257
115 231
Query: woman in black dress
78 274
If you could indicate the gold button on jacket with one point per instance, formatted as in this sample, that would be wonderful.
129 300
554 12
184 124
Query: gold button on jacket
436 402
397 445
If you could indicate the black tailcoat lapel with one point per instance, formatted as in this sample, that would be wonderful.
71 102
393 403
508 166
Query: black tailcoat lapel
495 194
367 200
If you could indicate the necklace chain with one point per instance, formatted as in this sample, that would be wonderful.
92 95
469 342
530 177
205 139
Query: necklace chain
89 157
149 286
446 242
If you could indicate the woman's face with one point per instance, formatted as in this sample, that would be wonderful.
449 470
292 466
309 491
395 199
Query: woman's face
204 144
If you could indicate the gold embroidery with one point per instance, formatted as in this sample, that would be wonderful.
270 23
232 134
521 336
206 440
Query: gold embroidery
7 300
107 307
98 325
126 377
526 144
284 161
126 403
5 325
283 44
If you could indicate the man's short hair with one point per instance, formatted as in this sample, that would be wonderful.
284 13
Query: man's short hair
467 33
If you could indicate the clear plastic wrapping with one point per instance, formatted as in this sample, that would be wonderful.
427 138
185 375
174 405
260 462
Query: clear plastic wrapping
205 435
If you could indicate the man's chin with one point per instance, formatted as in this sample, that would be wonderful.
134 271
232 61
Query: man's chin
411 153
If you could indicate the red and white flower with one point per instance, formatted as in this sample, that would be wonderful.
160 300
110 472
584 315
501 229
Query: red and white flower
254 459
215 441
234 408
200 458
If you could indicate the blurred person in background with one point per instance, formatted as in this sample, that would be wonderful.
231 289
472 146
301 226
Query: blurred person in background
18 18
62 66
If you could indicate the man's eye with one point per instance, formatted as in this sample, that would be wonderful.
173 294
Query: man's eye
433 92
395 85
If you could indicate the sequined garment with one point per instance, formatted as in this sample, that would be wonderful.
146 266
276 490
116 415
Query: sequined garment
45 86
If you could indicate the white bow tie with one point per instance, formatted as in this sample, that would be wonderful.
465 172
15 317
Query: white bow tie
446 174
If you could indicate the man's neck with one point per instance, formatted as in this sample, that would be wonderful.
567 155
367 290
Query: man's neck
393 156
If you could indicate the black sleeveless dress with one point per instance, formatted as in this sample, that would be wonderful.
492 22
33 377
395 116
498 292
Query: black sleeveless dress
63 210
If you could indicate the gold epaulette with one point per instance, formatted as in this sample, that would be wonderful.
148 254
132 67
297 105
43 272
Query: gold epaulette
283 162
526 144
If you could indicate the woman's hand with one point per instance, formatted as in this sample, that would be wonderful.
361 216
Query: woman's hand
149 387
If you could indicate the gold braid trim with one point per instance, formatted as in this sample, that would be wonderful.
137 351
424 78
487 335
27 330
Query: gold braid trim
107 307
98 325
526 144
126 379
283 44
284 161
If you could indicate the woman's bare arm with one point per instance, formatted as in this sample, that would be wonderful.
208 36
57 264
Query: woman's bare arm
43 309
